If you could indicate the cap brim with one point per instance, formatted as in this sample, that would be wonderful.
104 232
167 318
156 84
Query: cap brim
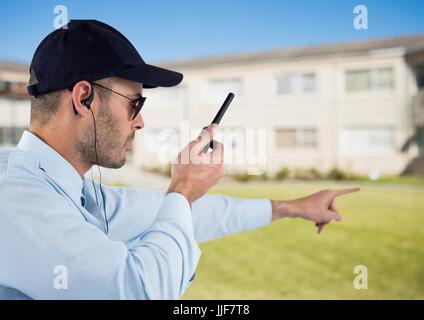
152 77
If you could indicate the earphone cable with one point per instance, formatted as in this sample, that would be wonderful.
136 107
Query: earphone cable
100 175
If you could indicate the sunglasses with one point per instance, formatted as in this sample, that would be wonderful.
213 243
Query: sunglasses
137 104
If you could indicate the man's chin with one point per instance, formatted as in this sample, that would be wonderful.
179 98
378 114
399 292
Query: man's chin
116 165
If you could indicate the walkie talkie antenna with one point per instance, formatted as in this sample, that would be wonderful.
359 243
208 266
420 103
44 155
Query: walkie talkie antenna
219 116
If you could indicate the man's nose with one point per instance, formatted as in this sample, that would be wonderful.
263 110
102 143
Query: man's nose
138 122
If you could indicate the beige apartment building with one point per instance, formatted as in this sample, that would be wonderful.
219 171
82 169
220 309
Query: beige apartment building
356 106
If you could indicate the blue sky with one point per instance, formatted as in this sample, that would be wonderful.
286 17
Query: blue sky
164 30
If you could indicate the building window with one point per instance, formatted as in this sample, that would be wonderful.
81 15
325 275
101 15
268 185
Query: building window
363 80
221 87
367 140
296 83
4 86
10 136
233 137
420 140
296 138
15 89
156 140
309 82
419 73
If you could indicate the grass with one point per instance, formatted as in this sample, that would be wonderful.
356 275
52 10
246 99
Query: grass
383 229
404 180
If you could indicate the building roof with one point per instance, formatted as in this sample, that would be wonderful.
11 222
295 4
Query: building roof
14 66
405 43
409 45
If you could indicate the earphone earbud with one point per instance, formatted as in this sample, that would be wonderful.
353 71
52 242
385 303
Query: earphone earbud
87 102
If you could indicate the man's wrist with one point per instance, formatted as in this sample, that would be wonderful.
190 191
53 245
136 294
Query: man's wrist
172 189
282 209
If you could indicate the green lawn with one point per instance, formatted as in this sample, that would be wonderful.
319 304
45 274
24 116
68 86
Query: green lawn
398 180
383 229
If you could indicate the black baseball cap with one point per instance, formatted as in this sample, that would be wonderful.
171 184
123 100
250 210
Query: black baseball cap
91 50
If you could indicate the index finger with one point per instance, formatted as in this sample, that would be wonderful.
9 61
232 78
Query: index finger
345 191
205 136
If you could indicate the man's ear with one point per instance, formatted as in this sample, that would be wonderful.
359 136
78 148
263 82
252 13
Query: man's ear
87 102
82 96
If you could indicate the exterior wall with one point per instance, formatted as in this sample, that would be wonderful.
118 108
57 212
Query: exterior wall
14 118
172 114
14 111
329 110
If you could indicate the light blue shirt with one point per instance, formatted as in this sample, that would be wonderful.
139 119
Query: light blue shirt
52 233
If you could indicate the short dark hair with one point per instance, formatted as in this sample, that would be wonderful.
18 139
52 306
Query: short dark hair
43 107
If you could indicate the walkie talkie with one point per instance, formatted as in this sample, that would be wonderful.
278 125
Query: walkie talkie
219 116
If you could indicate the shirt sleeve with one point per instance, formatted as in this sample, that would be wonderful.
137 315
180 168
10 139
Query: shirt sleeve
53 253
214 216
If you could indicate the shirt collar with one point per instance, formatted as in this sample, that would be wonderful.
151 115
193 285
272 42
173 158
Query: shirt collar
56 167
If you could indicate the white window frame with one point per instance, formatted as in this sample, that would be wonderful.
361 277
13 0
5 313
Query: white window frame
299 136
228 85
297 81
371 147
368 93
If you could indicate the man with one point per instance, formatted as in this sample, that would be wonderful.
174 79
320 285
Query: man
64 237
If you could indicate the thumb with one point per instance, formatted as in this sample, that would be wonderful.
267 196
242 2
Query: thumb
320 226
334 212
205 136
